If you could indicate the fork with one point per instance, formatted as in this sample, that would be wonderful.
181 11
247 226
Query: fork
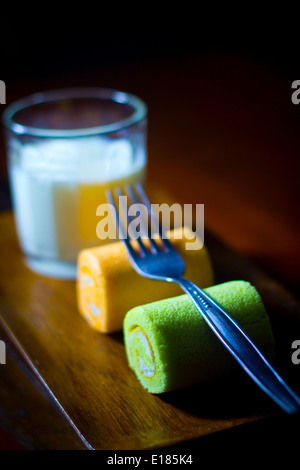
158 259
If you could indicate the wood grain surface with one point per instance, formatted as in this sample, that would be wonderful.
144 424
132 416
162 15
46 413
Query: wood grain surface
87 372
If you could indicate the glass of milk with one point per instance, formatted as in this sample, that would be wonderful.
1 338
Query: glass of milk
65 148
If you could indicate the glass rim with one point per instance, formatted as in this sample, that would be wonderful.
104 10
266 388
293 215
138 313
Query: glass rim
121 97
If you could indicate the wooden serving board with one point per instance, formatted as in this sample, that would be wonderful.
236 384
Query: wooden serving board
87 372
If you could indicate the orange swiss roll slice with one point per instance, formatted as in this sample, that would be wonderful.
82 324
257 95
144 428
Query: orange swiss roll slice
108 286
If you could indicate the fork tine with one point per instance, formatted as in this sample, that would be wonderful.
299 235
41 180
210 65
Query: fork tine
143 249
146 229
154 219
126 240
118 222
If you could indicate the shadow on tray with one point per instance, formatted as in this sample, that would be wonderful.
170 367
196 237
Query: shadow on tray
234 396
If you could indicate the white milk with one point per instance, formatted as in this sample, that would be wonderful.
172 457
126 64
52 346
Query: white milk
56 182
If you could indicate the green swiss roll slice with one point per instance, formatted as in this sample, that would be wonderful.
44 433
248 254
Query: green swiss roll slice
169 344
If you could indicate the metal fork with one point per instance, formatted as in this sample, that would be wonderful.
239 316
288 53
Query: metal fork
158 259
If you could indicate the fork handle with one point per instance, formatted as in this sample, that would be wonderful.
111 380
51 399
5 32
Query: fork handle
242 348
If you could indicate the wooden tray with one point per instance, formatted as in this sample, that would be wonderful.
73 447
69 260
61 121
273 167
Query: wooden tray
87 372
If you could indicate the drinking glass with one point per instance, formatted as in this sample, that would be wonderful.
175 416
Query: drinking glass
65 148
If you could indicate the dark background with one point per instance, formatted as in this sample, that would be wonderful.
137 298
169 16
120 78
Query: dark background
231 70
49 45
